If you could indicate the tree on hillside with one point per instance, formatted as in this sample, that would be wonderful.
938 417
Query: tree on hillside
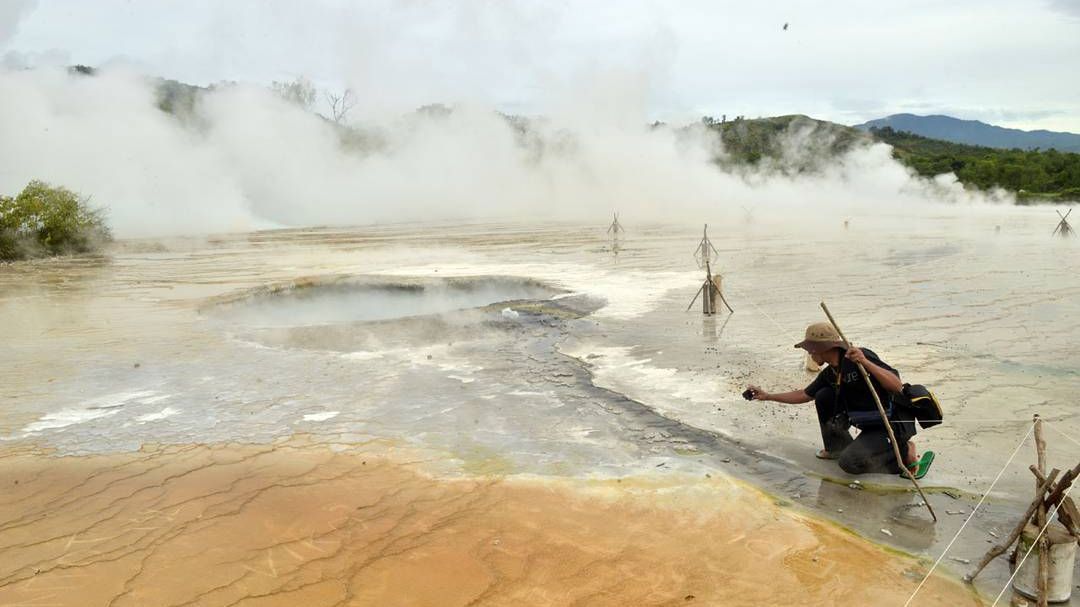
300 91
340 104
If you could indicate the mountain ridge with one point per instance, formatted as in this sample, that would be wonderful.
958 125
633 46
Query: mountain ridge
976 132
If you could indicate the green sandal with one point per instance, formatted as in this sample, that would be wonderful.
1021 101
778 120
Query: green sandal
921 467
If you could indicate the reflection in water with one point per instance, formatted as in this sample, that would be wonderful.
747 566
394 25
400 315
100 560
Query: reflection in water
865 506
709 328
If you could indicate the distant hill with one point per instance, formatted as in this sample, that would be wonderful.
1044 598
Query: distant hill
791 144
973 132
797 144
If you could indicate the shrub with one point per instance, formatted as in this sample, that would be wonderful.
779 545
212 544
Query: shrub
43 220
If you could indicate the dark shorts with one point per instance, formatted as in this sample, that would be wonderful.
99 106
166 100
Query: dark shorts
871 451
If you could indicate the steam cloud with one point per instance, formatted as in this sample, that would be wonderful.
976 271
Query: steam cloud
248 159
11 13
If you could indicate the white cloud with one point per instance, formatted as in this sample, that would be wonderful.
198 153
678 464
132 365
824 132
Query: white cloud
1068 7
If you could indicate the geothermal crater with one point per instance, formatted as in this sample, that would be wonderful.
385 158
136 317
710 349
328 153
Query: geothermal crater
337 301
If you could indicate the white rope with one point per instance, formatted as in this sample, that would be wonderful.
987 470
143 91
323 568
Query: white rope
1049 519
970 516
900 267
792 337
989 420
992 421
1001 420
1065 435
765 314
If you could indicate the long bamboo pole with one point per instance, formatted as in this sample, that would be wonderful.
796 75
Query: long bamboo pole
695 298
884 417
721 294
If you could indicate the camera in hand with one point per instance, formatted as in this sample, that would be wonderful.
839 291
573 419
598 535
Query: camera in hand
748 394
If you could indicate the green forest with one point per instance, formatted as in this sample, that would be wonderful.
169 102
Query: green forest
1035 175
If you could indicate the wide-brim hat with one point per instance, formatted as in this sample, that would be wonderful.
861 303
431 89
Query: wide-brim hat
820 336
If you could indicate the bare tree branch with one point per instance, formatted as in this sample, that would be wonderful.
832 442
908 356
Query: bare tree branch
340 104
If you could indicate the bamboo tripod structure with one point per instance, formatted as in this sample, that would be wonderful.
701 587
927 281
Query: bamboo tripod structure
1063 226
1048 495
884 417
705 250
710 291
615 229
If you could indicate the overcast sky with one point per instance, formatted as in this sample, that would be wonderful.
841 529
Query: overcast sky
1013 63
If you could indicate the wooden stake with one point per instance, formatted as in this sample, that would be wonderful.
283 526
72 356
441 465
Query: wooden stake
1069 516
1000 549
1059 491
1040 516
884 417
708 301
718 291
1066 512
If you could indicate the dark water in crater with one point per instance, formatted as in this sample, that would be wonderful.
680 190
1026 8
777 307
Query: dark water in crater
350 302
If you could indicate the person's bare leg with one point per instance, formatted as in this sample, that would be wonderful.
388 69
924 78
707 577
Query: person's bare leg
911 456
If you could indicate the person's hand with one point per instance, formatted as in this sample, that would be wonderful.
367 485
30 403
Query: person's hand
757 393
856 355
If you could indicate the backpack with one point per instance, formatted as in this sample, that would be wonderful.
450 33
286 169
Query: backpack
922 403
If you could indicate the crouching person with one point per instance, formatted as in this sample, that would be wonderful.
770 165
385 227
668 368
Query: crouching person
843 399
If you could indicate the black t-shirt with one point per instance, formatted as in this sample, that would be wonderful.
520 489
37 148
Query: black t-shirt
853 395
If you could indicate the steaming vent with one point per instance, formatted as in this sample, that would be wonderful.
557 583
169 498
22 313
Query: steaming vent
337 302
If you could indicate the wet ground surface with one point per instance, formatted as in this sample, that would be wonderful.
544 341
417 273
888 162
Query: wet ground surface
295 523
586 367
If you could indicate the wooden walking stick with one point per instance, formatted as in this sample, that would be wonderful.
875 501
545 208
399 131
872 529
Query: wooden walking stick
884 417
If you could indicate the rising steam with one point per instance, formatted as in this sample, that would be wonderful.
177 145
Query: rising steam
248 159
